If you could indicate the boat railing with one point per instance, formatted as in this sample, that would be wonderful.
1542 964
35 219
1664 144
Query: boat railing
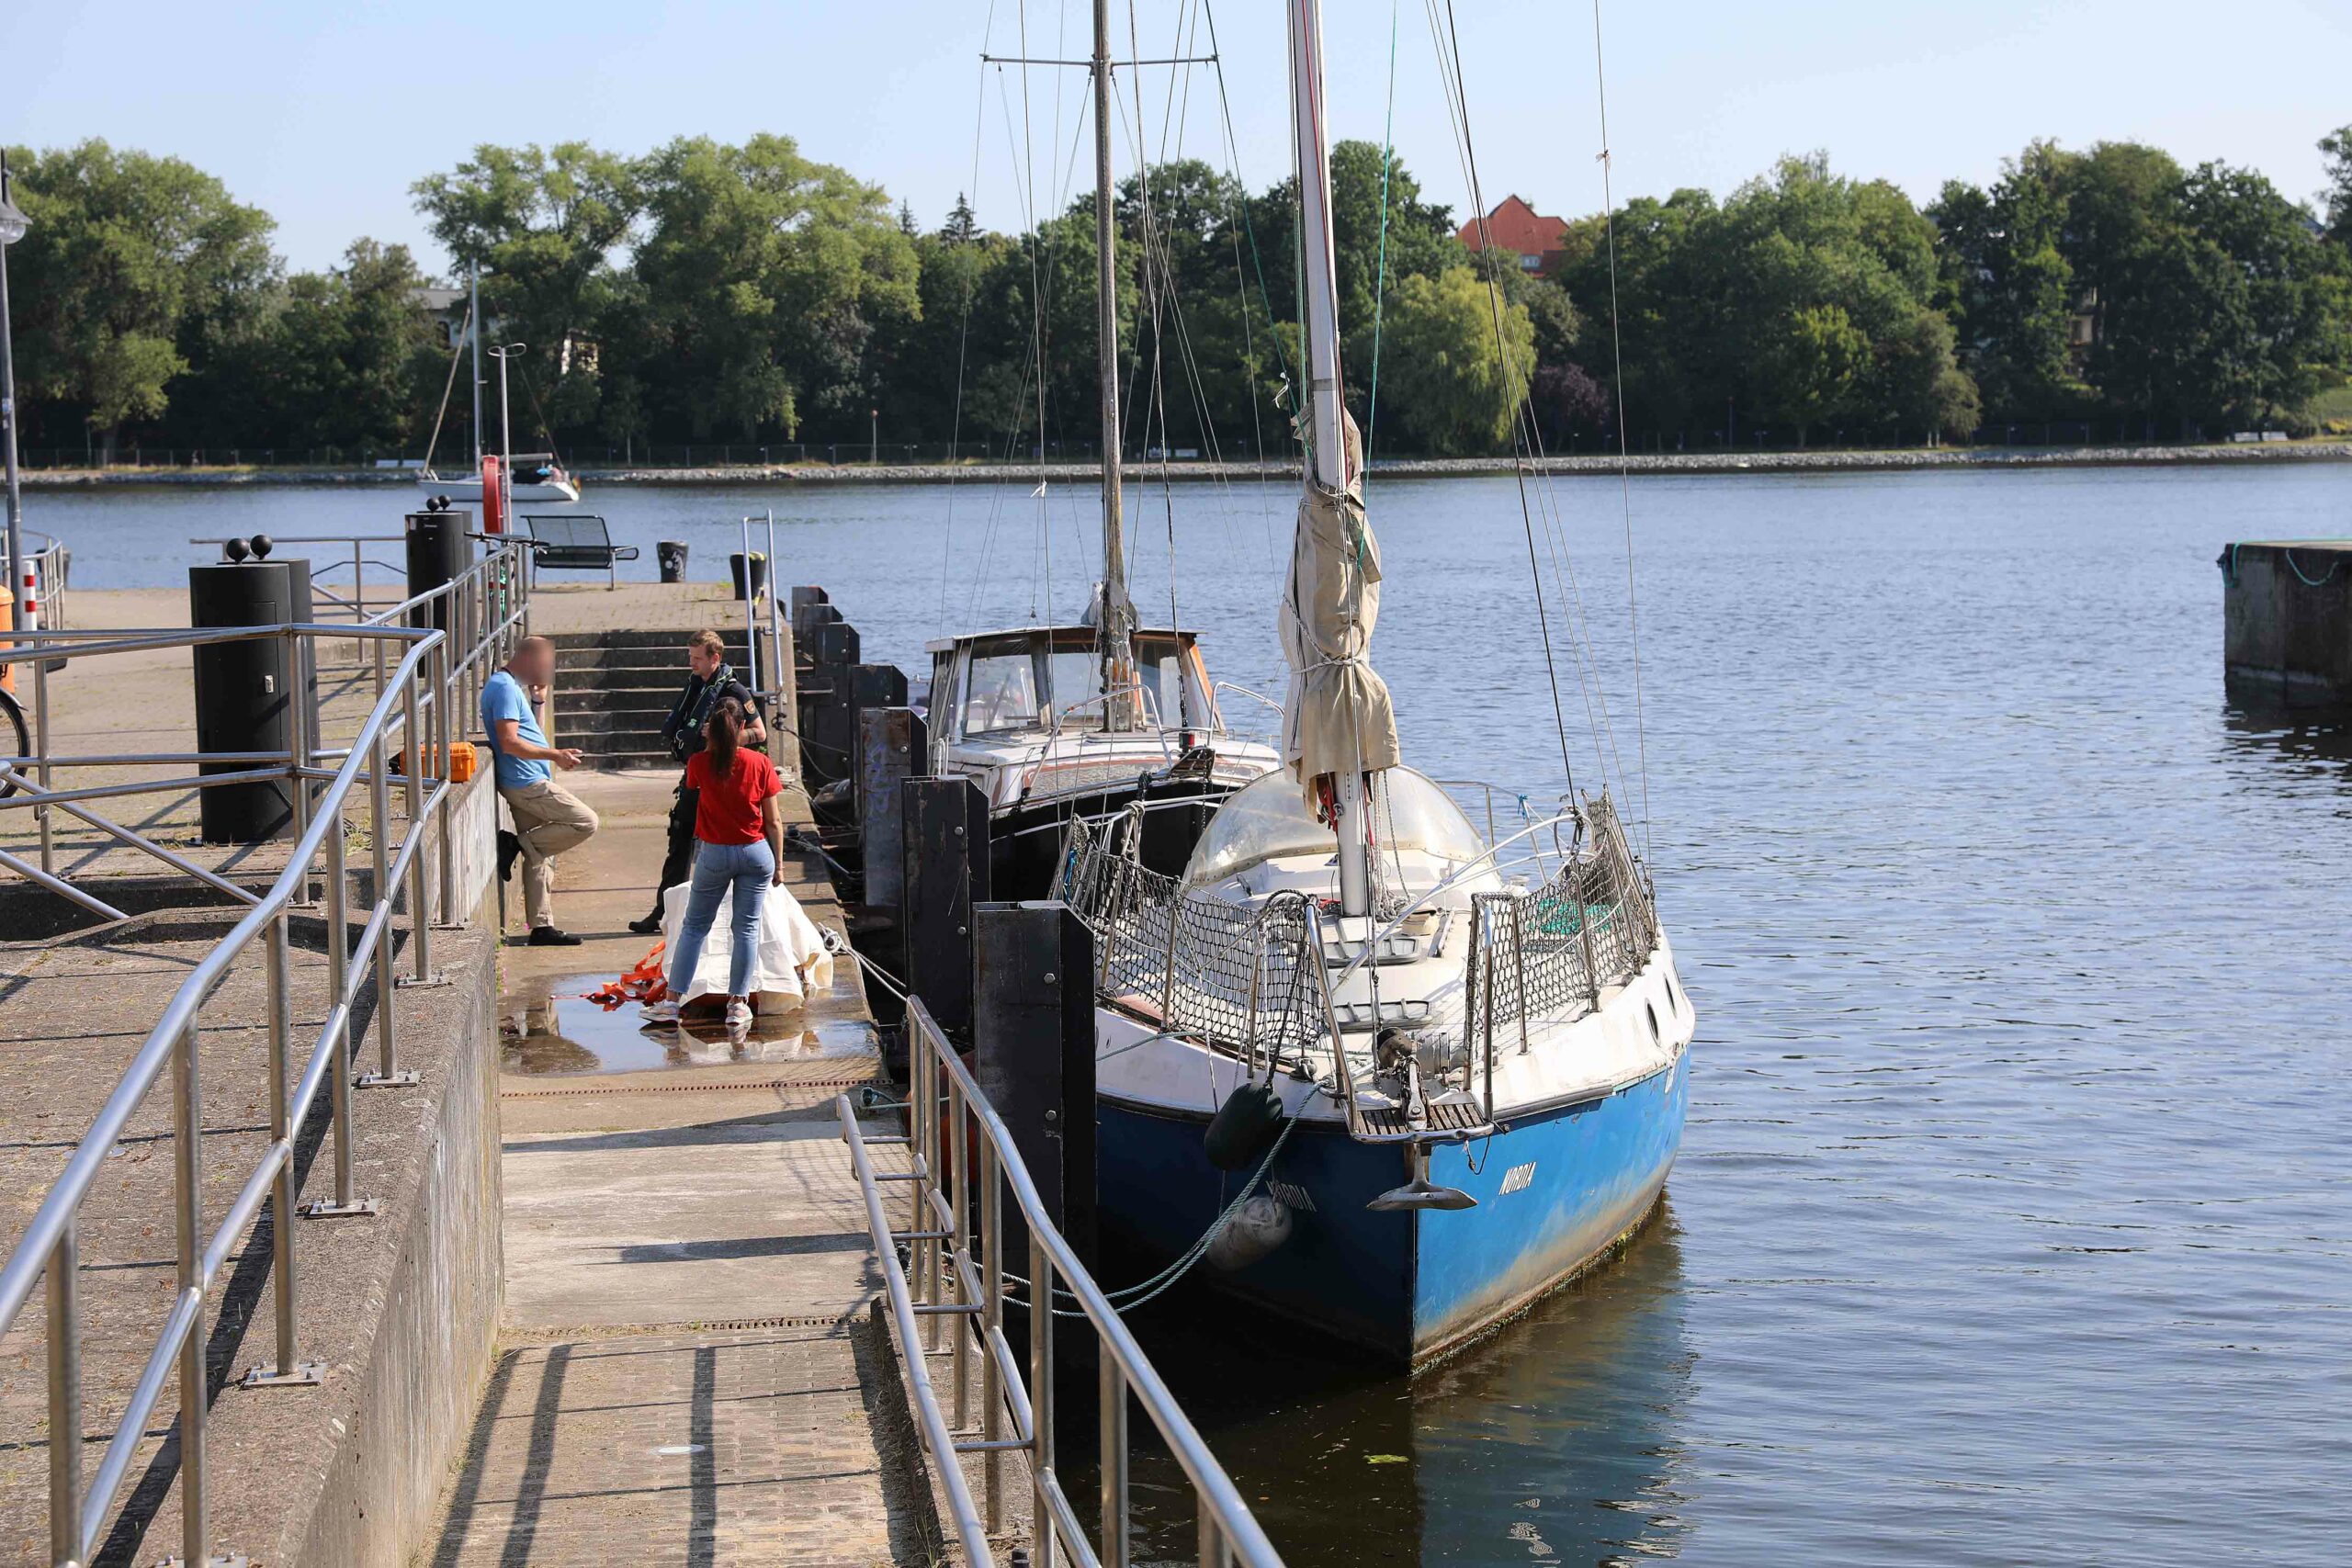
427 678
1256 981
954 1286
1259 697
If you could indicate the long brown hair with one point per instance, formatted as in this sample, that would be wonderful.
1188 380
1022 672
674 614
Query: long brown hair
724 732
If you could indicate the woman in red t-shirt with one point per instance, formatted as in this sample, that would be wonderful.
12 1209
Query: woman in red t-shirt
740 848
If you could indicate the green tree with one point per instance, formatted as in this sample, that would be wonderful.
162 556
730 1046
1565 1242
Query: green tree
543 226
2336 148
2011 287
765 277
127 258
1453 386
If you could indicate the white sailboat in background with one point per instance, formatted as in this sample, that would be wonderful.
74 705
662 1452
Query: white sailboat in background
1455 1066
536 476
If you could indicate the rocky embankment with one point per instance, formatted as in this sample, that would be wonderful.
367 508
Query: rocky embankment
1819 462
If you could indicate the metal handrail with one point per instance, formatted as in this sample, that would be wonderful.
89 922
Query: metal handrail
412 711
967 1292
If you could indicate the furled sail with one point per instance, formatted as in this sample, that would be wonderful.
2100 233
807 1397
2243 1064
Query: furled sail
1338 716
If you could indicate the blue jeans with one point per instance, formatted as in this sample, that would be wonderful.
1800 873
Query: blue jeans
748 869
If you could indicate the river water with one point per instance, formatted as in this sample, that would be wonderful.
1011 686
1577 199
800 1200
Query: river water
2014 1220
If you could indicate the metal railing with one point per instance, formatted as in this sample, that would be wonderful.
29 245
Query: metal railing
357 605
420 698
959 1281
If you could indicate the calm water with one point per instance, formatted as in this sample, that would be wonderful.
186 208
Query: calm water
2014 1223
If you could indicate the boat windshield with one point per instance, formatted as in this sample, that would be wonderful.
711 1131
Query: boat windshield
1267 818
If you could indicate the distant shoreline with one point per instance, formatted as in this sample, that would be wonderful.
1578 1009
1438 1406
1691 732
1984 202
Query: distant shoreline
1593 465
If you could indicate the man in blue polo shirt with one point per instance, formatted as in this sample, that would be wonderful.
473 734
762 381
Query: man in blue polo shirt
549 820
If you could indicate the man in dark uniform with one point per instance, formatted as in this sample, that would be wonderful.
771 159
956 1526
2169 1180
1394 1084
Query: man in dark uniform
713 678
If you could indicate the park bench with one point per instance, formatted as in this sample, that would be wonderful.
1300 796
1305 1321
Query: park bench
575 541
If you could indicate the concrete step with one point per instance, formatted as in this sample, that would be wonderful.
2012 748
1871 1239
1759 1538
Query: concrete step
671 641
654 700
670 661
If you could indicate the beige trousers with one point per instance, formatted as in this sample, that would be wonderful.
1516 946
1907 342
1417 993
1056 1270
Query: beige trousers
549 820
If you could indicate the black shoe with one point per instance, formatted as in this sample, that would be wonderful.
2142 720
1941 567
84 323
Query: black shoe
650 926
552 936
510 850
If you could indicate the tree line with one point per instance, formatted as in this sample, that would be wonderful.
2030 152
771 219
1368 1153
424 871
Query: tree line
708 293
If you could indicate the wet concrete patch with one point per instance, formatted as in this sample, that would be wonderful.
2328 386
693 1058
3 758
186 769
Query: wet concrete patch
549 1028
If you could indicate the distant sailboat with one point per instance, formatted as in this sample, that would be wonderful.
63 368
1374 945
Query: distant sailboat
530 476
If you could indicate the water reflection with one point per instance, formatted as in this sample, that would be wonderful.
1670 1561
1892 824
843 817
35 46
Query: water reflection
1558 1440
2295 744
553 1029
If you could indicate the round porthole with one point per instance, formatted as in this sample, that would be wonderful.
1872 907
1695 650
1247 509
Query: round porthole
1672 1000
1653 1016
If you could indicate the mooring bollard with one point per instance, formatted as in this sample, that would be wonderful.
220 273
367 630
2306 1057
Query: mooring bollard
1033 1037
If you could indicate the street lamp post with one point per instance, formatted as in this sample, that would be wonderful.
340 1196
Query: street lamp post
505 437
12 229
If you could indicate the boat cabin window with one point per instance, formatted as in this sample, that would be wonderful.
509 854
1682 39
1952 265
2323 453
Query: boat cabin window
1019 683
1001 689
1267 819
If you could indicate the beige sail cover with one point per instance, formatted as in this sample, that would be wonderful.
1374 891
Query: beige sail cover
1338 715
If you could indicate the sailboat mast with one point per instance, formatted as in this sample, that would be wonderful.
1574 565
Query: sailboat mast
1113 633
1318 275
473 314
1319 329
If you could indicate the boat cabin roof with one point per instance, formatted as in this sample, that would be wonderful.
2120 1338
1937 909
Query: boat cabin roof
1059 634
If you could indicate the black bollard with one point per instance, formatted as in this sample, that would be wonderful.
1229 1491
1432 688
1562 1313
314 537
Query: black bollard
945 873
1032 1037
245 691
439 551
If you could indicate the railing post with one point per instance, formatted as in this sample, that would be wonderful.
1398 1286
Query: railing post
991 1328
286 1372
343 1204
65 1400
387 1073
1212 1553
420 916
445 741
958 1247
1041 1397
41 727
1114 1461
934 1163
187 1109
298 757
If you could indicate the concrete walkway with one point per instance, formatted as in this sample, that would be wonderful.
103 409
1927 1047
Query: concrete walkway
690 1372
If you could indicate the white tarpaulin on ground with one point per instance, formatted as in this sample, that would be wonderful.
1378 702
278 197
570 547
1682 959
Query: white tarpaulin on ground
791 961
1338 715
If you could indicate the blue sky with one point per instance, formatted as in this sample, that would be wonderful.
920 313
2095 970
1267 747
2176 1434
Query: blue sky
324 113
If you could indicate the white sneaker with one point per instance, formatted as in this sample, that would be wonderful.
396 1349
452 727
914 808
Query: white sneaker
739 1014
659 1012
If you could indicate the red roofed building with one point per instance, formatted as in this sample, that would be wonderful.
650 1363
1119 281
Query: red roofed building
1515 226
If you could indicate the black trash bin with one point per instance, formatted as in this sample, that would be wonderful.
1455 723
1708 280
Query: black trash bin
671 555
759 569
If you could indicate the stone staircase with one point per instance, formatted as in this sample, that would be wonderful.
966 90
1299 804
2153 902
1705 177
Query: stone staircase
613 689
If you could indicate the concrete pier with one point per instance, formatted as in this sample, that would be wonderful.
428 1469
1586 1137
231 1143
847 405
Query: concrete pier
2286 620
617 1302
688 1370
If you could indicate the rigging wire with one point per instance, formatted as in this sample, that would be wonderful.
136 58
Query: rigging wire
1495 309
1624 462
963 342
1380 271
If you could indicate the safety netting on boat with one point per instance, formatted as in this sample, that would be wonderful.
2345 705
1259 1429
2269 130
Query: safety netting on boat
1251 978
1242 977
1548 955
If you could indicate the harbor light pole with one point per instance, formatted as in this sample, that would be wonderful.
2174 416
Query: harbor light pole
503 353
12 229
874 437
